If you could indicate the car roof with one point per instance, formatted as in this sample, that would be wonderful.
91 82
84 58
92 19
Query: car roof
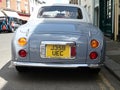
59 4
85 15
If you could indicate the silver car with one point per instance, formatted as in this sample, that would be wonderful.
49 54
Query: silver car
58 36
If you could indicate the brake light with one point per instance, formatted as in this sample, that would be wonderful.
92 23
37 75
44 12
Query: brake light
22 41
94 43
73 51
22 53
93 55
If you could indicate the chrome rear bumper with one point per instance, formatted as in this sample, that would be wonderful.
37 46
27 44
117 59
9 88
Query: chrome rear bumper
30 64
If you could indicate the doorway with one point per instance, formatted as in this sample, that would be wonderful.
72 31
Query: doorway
106 17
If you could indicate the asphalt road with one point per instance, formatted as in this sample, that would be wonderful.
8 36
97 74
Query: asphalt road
10 79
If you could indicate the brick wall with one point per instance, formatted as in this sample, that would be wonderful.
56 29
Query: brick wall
13 5
24 5
3 4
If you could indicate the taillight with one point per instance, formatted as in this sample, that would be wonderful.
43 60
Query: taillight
22 53
22 41
93 55
73 51
94 43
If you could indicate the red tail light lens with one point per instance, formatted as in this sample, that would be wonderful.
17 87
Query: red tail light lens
22 53
73 51
93 55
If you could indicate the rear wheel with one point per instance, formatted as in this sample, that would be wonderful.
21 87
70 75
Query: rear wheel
90 70
21 69
95 70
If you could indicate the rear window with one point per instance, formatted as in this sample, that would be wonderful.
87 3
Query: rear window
67 12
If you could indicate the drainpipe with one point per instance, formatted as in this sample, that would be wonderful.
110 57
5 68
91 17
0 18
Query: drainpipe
113 17
116 18
79 2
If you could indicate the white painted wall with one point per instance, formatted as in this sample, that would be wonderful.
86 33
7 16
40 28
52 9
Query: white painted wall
33 4
89 6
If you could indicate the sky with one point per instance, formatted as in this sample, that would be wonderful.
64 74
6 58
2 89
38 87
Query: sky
56 1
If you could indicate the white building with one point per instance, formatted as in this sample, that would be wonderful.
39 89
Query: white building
34 3
96 13
89 6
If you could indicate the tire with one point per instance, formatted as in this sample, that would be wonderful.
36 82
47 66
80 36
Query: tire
95 70
21 69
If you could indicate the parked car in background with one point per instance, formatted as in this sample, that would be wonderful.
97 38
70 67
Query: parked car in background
9 24
9 21
17 23
58 36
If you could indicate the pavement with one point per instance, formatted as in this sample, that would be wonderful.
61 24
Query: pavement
112 62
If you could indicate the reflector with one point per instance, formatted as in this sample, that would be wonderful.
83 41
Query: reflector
73 51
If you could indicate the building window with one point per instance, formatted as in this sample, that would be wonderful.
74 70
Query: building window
89 11
7 3
85 7
18 5
26 8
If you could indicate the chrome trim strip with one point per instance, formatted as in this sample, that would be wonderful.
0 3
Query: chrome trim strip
30 64
57 42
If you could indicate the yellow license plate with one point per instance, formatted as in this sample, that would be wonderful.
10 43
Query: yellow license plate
58 51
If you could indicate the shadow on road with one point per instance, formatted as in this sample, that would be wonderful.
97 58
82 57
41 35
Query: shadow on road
47 74
38 77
